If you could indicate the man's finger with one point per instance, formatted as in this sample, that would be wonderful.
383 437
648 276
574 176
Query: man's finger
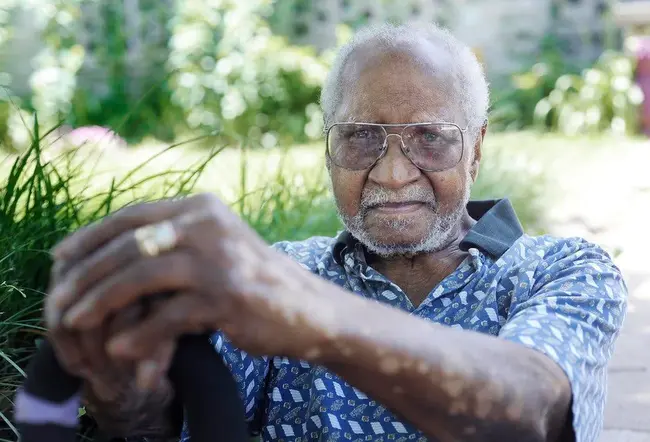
108 376
89 238
86 272
125 318
90 345
57 271
184 313
99 368
169 272
152 371
52 314
68 352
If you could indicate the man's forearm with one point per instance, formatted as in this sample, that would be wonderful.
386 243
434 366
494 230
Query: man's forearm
132 413
451 384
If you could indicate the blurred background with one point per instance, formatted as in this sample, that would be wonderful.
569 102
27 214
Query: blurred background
106 102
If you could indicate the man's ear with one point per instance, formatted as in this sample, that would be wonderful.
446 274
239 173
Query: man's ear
328 162
477 153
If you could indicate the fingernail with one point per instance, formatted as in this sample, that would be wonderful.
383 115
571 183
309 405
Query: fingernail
74 317
118 346
60 294
52 317
60 251
147 375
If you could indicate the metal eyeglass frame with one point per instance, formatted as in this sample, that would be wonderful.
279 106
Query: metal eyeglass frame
404 148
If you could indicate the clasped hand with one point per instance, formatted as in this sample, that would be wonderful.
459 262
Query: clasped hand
223 276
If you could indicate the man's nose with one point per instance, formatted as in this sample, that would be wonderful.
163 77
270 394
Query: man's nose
394 170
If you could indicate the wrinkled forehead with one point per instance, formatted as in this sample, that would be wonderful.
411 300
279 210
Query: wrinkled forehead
401 84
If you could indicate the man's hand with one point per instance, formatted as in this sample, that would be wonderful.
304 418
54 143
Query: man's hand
82 353
110 392
223 274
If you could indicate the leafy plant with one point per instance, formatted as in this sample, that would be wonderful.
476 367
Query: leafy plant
230 72
513 108
509 172
100 56
40 202
5 78
603 98
161 69
294 205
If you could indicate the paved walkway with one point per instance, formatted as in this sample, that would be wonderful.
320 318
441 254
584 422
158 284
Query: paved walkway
609 202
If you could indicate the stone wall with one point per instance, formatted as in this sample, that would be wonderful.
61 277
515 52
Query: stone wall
505 33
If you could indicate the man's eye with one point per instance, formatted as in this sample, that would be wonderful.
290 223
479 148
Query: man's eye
430 137
362 134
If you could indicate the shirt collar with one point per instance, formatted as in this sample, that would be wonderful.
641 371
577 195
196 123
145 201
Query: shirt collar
496 230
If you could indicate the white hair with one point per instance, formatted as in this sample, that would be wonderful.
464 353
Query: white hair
468 77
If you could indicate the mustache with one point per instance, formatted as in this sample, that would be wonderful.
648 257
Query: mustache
379 196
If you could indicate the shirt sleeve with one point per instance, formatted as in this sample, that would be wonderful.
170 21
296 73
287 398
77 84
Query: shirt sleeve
250 374
574 314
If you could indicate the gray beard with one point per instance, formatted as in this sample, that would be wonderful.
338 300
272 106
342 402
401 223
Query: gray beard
438 236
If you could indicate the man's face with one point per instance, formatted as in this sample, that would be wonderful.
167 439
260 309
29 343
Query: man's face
393 207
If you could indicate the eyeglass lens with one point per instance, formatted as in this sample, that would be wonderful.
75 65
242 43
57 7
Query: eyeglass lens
431 147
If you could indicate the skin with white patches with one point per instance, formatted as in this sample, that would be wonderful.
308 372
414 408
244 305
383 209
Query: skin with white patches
109 389
442 379
514 409
389 366
345 351
458 407
454 387
313 353
469 431
483 404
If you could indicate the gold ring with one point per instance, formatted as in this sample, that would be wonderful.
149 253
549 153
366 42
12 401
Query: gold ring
154 239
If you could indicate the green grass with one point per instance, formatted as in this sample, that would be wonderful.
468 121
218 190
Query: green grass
40 203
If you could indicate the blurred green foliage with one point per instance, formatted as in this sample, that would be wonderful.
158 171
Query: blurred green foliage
229 71
603 98
513 107
163 68
556 95
41 202
5 94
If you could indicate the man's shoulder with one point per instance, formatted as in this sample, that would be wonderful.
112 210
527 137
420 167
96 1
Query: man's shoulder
569 260
550 248
308 252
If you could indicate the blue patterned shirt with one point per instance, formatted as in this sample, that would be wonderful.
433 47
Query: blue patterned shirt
561 296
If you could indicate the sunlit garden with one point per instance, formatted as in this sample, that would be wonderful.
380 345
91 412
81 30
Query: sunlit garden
105 103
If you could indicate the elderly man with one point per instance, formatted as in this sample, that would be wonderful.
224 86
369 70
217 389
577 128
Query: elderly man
429 318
